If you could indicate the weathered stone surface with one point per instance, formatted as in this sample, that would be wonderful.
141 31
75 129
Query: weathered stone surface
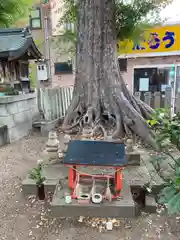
3 135
122 208
46 127
129 145
133 158
52 140
29 186
17 113
53 175
151 205
18 131
52 149
49 156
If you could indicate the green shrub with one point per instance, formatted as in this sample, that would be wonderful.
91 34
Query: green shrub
167 135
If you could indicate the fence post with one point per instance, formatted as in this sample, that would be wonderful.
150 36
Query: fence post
137 95
157 100
167 101
147 98
177 103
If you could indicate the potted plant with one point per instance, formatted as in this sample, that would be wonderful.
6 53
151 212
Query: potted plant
36 174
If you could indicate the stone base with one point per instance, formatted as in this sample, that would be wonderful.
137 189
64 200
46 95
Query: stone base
29 186
151 205
53 174
134 159
3 135
121 208
48 126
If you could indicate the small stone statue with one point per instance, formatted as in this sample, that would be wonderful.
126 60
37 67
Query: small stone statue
53 142
50 153
129 145
67 139
60 154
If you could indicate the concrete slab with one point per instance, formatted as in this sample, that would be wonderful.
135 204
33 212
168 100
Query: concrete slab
121 208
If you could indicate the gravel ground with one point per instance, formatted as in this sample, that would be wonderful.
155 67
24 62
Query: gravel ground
27 219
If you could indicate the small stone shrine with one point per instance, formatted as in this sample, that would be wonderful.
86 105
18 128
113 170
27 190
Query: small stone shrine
89 177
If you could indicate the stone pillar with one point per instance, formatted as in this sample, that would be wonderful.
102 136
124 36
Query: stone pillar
168 96
67 139
50 154
157 100
177 102
137 95
147 98
129 146
133 157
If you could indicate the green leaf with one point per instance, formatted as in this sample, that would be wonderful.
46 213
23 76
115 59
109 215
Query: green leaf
168 192
174 204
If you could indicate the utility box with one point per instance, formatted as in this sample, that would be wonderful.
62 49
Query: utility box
42 73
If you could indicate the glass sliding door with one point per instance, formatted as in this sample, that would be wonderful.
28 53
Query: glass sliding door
153 80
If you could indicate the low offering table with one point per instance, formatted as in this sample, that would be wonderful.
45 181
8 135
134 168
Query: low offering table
100 155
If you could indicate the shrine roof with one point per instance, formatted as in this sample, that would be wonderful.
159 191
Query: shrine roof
16 42
95 153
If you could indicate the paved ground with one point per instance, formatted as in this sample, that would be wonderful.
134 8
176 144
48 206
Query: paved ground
22 219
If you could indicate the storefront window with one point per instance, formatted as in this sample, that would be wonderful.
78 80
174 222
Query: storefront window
153 79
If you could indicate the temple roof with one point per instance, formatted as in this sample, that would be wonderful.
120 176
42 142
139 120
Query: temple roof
16 42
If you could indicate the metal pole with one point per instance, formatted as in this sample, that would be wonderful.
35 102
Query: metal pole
47 48
174 91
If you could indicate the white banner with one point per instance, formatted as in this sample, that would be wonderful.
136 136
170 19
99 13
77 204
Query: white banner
57 8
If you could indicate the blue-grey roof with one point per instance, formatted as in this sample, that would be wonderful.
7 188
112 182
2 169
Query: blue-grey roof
15 41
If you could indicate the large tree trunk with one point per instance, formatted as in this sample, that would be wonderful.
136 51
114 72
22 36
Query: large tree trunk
99 88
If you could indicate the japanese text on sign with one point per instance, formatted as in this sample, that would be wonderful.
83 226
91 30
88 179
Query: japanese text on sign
154 41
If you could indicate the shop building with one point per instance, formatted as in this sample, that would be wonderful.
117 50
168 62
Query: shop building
153 64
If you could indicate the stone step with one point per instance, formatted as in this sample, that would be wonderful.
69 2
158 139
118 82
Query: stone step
124 207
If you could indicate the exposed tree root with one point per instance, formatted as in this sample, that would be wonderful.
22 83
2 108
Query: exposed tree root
130 119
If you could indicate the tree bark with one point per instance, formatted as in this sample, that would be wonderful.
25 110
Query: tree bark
99 89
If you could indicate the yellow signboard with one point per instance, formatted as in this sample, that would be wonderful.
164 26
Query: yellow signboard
155 40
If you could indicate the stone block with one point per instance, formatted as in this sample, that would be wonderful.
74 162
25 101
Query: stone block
3 110
22 105
151 204
21 117
29 186
48 157
3 135
7 120
133 159
31 103
19 131
12 108
121 208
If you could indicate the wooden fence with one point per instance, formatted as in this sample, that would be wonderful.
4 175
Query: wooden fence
54 102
